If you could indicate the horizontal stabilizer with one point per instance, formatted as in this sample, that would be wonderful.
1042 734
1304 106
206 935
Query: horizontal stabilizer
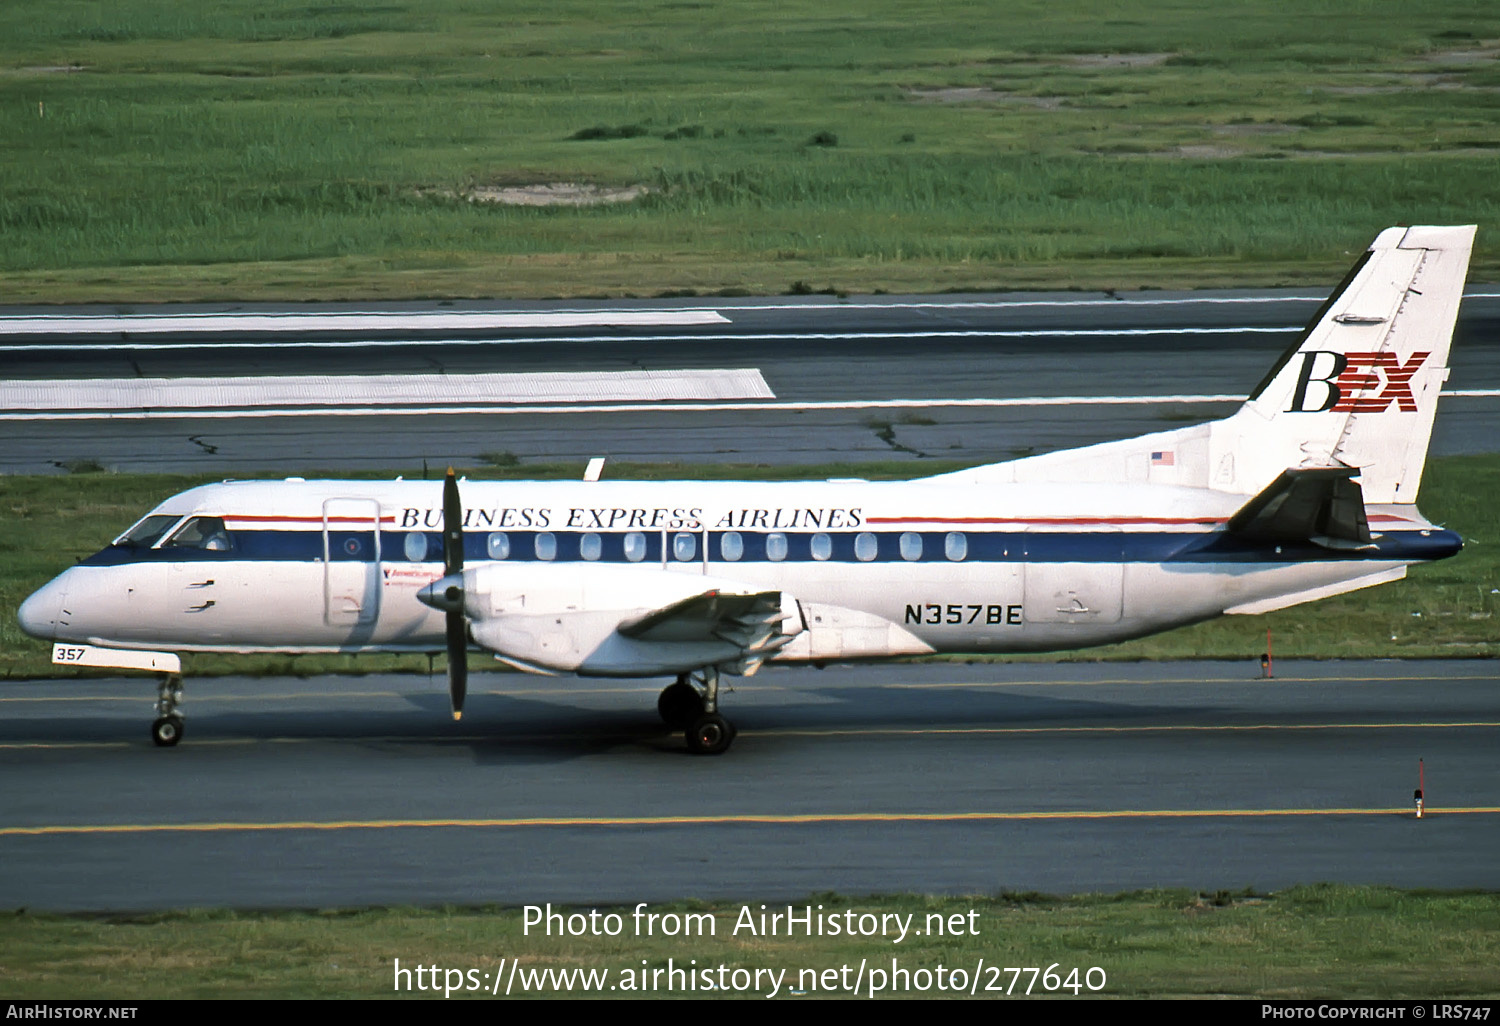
1285 601
1317 504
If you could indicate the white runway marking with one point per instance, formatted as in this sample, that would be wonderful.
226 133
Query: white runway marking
377 320
1116 301
137 396
432 320
808 336
480 320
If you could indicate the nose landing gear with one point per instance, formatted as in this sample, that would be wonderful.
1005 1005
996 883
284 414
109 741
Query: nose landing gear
166 731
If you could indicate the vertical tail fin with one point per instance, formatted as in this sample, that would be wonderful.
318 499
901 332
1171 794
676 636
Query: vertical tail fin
1360 388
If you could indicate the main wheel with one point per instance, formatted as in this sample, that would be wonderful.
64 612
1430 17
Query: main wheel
679 705
167 731
710 735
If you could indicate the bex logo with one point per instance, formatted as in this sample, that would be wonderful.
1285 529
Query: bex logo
1349 382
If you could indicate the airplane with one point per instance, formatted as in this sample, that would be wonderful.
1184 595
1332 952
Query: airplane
1308 490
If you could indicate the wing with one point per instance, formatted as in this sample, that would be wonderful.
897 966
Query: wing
755 623
740 618
625 621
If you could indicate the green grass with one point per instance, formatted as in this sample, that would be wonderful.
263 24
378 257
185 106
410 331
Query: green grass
1442 609
1307 942
267 148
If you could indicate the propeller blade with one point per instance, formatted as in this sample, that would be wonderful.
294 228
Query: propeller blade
458 663
453 527
453 564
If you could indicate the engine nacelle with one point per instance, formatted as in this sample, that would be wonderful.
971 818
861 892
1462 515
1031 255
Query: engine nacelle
606 620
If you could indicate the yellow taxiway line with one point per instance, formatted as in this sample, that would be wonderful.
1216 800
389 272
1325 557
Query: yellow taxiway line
754 819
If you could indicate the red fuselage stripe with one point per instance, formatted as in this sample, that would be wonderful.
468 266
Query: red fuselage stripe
1198 521
239 518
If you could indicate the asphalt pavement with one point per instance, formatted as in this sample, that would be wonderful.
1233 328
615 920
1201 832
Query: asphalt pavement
933 778
974 378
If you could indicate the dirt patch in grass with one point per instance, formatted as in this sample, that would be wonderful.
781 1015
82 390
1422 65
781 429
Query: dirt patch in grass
44 69
1464 55
1204 151
1115 60
982 94
547 194
1267 128
1191 151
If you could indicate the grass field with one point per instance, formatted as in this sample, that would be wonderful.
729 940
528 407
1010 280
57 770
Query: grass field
288 149
270 148
1441 609
1307 942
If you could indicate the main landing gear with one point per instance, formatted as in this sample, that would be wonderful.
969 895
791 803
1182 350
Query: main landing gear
682 706
167 730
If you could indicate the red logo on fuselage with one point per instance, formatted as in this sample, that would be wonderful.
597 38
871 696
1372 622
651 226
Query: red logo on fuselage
1357 382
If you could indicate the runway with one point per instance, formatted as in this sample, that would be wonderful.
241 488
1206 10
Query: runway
932 778
972 378
942 778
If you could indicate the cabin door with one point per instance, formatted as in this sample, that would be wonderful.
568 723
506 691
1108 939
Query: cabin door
351 562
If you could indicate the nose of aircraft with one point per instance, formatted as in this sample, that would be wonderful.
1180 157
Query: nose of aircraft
43 611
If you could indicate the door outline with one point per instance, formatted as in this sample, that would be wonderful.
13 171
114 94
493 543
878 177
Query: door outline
351 587
1081 592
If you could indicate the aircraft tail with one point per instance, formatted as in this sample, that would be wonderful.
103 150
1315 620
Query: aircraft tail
1356 392
1360 387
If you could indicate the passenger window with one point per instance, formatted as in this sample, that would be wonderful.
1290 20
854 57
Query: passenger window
414 546
776 547
911 545
635 546
684 546
546 546
206 534
866 547
731 546
822 546
956 546
590 546
498 545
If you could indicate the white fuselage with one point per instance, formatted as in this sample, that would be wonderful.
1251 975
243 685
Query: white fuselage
876 569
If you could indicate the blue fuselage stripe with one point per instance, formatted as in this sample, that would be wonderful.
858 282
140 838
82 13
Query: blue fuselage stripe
841 547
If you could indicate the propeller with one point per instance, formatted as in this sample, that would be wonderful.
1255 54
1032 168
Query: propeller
453 593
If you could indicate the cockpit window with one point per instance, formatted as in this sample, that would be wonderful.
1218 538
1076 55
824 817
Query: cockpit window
146 533
204 533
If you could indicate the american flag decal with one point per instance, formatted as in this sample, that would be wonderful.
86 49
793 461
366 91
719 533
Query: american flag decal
1162 459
